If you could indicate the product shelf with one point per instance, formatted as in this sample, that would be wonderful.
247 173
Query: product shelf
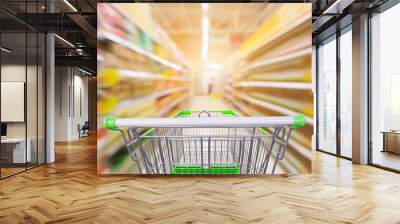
164 111
137 101
300 74
290 30
142 73
148 75
280 59
283 85
139 50
254 110
269 106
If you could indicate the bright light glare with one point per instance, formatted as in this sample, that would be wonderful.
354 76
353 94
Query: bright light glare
70 5
204 52
204 47
213 66
64 40
84 71
5 50
204 6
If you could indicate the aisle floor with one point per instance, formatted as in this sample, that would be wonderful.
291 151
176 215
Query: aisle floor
207 102
70 191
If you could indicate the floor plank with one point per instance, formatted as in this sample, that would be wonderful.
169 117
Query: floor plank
69 191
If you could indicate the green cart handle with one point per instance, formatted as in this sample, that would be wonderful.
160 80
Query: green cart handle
295 121
299 121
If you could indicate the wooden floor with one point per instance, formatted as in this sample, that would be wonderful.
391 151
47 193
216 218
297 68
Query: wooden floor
387 159
11 170
69 191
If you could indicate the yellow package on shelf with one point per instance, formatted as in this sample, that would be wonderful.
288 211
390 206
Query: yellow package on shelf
168 74
266 30
160 51
108 77
111 101
106 105
114 81
274 25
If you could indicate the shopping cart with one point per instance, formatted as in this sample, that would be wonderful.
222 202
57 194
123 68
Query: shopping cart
206 142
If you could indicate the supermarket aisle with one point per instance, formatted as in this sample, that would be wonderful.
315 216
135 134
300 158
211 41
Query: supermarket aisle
150 66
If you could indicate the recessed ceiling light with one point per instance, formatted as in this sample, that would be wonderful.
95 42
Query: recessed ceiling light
84 71
64 40
70 5
5 50
213 66
337 7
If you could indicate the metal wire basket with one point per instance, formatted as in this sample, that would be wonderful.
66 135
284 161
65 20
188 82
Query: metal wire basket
206 142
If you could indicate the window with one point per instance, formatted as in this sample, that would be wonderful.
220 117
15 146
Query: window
346 93
22 77
385 89
327 96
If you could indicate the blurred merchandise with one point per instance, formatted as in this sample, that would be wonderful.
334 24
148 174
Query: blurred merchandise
135 79
270 75
157 59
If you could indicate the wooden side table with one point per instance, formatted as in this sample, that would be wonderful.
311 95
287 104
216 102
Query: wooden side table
391 141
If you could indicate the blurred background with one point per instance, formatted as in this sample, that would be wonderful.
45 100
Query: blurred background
157 59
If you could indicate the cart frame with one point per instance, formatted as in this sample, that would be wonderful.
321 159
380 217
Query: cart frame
219 143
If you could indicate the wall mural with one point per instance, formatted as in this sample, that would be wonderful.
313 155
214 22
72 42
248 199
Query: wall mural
254 108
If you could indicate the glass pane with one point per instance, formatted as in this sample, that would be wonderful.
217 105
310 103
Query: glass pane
22 89
385 90
327 96
13 86
32 88
31 98
41 99
345 94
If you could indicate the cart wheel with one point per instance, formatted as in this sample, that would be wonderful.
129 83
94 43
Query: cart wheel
204 112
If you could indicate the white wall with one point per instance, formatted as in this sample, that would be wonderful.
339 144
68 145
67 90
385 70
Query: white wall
61 103
80 100
71 88
12 73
